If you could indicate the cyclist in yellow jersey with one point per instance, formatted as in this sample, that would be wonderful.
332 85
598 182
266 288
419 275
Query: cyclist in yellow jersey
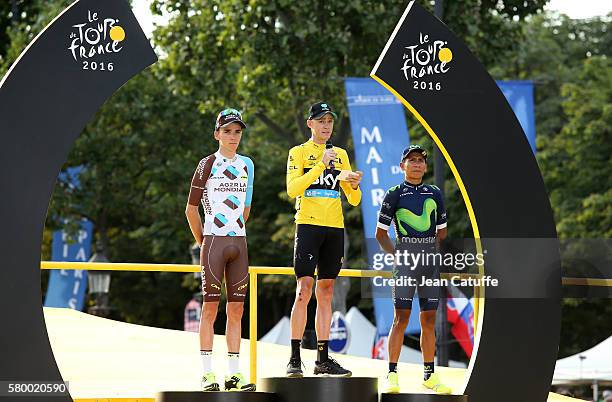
313 171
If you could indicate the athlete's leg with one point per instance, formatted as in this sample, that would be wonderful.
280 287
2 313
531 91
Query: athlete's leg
207 321
303 293
236 283
212 265
396 335
308 240
402 294
233 327
330 263
428 335
324 293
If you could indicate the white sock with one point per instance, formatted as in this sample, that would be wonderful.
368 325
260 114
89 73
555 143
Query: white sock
233 363
206 356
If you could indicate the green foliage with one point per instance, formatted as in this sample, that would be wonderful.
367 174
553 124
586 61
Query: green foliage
271 59
569 60
577 161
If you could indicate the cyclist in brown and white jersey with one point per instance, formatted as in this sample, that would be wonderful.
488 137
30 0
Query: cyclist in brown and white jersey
223 184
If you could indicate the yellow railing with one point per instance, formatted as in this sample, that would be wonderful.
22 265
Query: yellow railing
255 271
354 273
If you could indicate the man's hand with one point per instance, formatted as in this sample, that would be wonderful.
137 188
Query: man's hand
328 156
355 178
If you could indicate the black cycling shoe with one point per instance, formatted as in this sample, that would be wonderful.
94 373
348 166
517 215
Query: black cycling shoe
238 383
294 368
331 368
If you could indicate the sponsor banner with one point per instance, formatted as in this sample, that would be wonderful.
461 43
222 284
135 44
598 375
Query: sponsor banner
380 134
67 287
520 97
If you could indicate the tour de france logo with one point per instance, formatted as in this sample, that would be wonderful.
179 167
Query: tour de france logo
425 61
94 38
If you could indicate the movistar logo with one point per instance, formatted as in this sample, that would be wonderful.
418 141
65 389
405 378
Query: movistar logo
420 223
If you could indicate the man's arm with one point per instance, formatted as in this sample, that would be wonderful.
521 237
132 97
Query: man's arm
441 223
195 223
297 181
351 188
249 192
198 182
385 218
382 236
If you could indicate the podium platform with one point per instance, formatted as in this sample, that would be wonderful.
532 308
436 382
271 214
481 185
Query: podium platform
332 389
422 398
220 396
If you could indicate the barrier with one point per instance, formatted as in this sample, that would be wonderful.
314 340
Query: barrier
257 270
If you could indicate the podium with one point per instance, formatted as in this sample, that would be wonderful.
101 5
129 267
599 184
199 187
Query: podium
330 389
309 389
422 398
220 396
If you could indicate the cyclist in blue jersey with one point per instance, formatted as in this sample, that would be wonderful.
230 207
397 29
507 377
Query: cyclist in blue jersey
223 184
416 210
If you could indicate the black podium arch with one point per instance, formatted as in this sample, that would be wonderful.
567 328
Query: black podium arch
446 88
50 93
94 47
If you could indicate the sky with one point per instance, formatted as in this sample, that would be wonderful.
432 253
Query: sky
573 8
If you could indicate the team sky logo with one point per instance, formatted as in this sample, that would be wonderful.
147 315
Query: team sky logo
95 37
429 57
329 181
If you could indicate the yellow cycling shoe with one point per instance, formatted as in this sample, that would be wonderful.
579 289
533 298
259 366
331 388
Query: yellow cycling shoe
392 383
435 385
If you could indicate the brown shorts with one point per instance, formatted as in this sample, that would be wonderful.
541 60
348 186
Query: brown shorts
224 256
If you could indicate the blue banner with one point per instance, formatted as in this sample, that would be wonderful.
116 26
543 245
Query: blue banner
67 287
378 125
520 97
380 134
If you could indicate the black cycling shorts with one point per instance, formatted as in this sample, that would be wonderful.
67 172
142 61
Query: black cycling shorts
318 246
424 282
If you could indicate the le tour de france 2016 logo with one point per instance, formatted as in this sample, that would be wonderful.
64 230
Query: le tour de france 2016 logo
424 61
94 38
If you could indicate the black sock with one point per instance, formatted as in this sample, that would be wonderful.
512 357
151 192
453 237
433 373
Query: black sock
428 369
392 367
295 348
322 351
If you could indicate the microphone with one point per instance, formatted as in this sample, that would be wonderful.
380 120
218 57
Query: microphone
328 145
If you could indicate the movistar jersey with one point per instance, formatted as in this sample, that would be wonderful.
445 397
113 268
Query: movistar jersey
316 188
415 211
224 187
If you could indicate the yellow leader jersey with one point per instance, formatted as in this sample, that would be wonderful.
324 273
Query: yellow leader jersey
316 188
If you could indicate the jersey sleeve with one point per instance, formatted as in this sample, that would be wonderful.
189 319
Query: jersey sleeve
297 181
441 210
198 182
250 167
388 208
352 195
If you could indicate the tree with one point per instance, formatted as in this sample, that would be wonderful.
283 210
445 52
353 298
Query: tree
271 59
569 60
